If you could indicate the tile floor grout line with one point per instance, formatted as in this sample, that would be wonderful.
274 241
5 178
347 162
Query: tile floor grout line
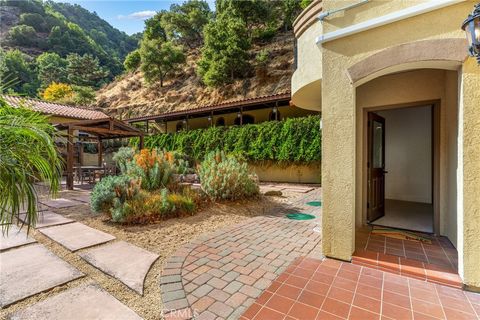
381 297
354 294
331 285
440 301
410 297
424 252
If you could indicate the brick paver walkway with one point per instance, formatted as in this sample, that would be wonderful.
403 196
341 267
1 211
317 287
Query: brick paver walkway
315 289
219 275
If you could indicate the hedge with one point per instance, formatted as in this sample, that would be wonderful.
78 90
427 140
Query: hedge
296 140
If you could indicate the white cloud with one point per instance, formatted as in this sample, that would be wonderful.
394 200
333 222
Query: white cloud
140 15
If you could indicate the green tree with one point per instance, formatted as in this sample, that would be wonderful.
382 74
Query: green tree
290 10
132 61
27 155
225 52
22 35
253 13
33 20
85 70
158 58
51 68
185 22
18 68
83 95
154 28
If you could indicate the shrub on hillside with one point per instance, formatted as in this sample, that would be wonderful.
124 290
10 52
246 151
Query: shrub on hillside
225 177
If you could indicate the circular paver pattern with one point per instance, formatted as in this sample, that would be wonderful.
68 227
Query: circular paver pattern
219 275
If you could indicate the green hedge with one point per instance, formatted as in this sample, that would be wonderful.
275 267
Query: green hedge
292 140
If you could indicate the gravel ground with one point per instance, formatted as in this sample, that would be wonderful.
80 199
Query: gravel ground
162 238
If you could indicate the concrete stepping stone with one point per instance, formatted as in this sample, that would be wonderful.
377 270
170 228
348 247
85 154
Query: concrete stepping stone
82 198
47 219
76 236
299 189
60 203
30 270
14 238
83 302
123 261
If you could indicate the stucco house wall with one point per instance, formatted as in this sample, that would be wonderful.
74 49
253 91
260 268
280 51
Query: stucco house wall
433 45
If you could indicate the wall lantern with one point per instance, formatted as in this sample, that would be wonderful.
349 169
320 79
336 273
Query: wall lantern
471 26
209 118
239 114
184 121
274 109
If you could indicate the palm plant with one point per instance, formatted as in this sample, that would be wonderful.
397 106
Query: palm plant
27 155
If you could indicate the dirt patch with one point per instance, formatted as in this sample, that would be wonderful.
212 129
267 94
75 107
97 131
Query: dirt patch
162 238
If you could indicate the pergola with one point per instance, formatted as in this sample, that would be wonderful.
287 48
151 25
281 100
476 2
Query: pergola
103 129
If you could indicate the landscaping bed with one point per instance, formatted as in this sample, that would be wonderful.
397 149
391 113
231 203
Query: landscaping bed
162 237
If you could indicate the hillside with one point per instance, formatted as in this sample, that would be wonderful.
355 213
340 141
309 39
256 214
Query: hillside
129 96
35 27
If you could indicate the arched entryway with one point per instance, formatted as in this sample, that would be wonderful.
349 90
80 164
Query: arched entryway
406 149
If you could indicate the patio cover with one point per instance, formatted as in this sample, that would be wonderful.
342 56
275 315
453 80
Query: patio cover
103 129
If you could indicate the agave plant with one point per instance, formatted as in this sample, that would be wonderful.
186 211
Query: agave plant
27 155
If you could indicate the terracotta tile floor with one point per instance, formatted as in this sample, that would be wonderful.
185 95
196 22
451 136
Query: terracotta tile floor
329 289
440 252
435 262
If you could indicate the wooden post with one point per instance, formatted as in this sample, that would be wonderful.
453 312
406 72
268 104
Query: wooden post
141 143
146 123
100 151
211 119
70 159
80 150
241 116
166 126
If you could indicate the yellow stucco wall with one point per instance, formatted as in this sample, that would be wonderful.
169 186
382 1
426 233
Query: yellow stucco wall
343 106
259 116
271 172
469 256
410 89
306 80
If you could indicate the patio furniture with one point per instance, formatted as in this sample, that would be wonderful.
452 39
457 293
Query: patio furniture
89 172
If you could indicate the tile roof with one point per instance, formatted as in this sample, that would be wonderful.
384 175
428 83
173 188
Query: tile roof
54 109
220 106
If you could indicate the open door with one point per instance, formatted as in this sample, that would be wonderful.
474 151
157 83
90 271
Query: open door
376 167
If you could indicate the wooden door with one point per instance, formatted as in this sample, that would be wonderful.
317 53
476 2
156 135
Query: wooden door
376 167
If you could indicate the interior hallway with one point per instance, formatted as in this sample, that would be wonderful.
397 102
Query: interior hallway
415 216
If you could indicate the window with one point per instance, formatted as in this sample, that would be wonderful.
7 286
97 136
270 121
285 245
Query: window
271 117
246 119
220 122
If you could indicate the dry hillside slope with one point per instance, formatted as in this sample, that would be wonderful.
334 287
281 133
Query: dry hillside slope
129 96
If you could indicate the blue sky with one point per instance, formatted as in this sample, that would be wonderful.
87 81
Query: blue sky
127 15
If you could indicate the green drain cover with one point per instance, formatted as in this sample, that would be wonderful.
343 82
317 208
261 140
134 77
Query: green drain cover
300 216
315 203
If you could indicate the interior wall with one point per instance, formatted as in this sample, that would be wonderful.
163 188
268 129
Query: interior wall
408 154
448 223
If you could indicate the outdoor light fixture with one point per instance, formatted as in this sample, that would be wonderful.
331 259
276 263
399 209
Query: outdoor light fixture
471 26
184 121
239 114
209 118
274 109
